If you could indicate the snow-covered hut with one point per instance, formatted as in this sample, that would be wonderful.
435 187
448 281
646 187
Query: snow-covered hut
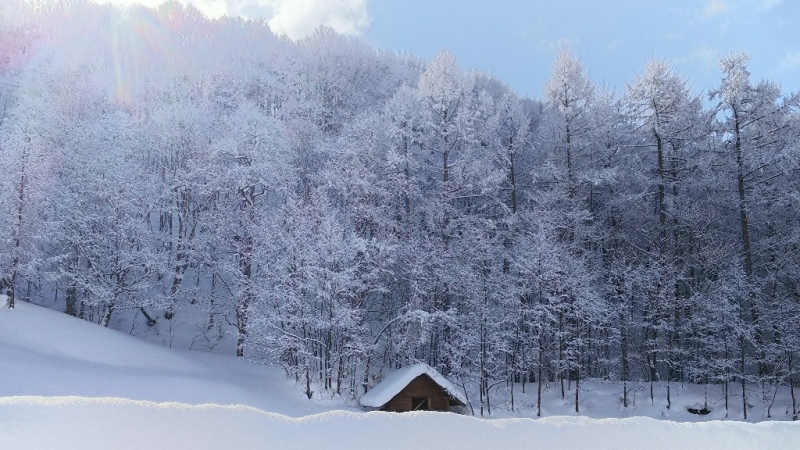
418 387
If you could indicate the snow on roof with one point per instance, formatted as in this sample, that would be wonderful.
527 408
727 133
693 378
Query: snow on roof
394 383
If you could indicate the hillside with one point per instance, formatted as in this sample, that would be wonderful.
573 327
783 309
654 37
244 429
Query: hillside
46 353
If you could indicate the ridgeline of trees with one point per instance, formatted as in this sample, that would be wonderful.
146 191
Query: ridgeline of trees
347 209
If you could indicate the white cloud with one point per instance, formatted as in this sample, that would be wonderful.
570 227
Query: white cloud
149 3
790 61
704 56
299 18
716 7
557 44
294 18
211 8
767 5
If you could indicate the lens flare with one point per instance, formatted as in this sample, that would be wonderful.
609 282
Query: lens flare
143 43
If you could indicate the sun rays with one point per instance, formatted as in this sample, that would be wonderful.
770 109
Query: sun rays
142 44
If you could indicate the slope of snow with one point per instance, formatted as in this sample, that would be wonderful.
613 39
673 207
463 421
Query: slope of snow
70 384
47 353
397 380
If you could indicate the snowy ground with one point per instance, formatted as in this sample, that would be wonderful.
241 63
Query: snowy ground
66 383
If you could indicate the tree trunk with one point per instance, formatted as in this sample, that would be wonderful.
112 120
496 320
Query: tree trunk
745 225
669 400
560 355
12 285
107 315
309 393
72 302
241 319
742 378
539 380
791 388
577 387
624 357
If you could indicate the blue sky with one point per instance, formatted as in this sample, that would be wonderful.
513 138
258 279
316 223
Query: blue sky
517 40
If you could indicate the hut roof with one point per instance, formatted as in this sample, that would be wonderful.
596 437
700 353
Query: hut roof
384 391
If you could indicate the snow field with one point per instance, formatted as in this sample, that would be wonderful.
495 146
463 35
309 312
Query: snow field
101 423
69 384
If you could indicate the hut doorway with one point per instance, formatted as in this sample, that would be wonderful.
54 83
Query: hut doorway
420 404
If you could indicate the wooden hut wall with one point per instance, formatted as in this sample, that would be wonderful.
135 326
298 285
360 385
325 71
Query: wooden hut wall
421 387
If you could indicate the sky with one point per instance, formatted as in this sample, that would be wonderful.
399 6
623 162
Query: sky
517 40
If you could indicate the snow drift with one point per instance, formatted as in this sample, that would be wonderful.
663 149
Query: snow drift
81 423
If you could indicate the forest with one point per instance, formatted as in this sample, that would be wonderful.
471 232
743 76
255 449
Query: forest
337 209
